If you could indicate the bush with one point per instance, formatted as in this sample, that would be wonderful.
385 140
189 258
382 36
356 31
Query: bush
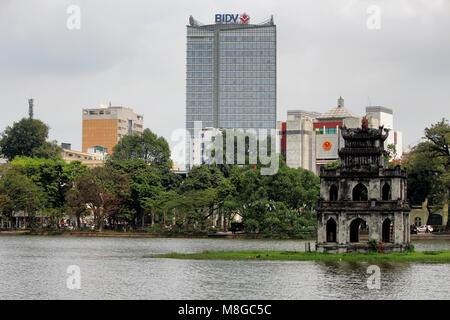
373 245
251 225
156 228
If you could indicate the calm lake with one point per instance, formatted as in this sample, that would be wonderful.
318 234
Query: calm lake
113 268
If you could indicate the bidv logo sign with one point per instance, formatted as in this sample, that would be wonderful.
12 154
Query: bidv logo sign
232 18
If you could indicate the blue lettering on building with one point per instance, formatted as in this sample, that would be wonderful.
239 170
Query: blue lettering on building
226 18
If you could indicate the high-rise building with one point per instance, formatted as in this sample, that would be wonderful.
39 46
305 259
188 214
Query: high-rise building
231 74
105 126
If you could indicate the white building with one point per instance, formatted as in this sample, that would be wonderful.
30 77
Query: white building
382 116
300 139
313 139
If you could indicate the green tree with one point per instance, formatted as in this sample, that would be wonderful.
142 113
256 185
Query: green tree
20 191
146 146
147 183
298 188
428 167
75 205
48 150
6 207
27 138
53 176
102 191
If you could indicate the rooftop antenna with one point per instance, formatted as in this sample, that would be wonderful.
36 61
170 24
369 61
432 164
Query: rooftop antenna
370 102
30 108
110 105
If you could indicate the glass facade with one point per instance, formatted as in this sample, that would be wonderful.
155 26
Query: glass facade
231 76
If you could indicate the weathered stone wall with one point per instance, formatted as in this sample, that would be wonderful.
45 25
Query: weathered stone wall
373 221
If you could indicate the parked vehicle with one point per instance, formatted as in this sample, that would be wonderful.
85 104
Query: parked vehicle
425 228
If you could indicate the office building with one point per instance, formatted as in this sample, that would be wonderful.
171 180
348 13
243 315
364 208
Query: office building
103 127
231 74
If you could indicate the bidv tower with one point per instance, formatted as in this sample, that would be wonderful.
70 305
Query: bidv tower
231 74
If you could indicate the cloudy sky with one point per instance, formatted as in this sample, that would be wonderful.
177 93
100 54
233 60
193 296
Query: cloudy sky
132 52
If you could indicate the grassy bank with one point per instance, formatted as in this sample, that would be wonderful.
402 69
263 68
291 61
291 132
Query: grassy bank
426 256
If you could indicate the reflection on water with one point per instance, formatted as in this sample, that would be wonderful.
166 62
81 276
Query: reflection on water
35 268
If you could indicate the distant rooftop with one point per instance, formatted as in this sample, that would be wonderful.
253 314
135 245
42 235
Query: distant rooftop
339 112
108 110
300 112
379 109
229 26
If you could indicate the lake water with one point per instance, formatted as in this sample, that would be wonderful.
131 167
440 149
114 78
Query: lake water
113 268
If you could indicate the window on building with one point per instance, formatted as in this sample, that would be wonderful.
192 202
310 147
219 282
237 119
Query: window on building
417 221
360 192
333 193
386 192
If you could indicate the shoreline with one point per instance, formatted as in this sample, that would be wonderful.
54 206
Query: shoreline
422 256
143 235
220 235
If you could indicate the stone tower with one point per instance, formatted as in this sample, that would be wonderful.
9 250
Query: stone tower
362 200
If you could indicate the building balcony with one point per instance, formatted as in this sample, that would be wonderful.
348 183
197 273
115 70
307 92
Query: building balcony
370 205
363 171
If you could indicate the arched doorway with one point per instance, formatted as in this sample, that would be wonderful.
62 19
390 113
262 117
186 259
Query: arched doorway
333 193
331 230
386 192
386 230
360 192
356 227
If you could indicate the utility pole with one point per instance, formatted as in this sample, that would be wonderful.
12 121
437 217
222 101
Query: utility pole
30 108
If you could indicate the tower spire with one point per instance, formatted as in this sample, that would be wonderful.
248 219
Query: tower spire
341 102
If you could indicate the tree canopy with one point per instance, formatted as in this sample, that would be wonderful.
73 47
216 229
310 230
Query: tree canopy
28 137
146 146
428 166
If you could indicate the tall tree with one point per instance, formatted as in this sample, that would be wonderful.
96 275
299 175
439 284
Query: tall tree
146 146
27 138
6 207
102 191
428 167
22 193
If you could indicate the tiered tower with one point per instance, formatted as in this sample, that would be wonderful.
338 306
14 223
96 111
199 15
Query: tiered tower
363 201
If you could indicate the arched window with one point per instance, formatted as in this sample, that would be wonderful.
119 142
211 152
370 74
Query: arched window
331 230
386 192
360 193
333 193
417 221
356 226
387 230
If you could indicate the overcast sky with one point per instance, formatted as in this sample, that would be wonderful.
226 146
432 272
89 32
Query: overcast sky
132 52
